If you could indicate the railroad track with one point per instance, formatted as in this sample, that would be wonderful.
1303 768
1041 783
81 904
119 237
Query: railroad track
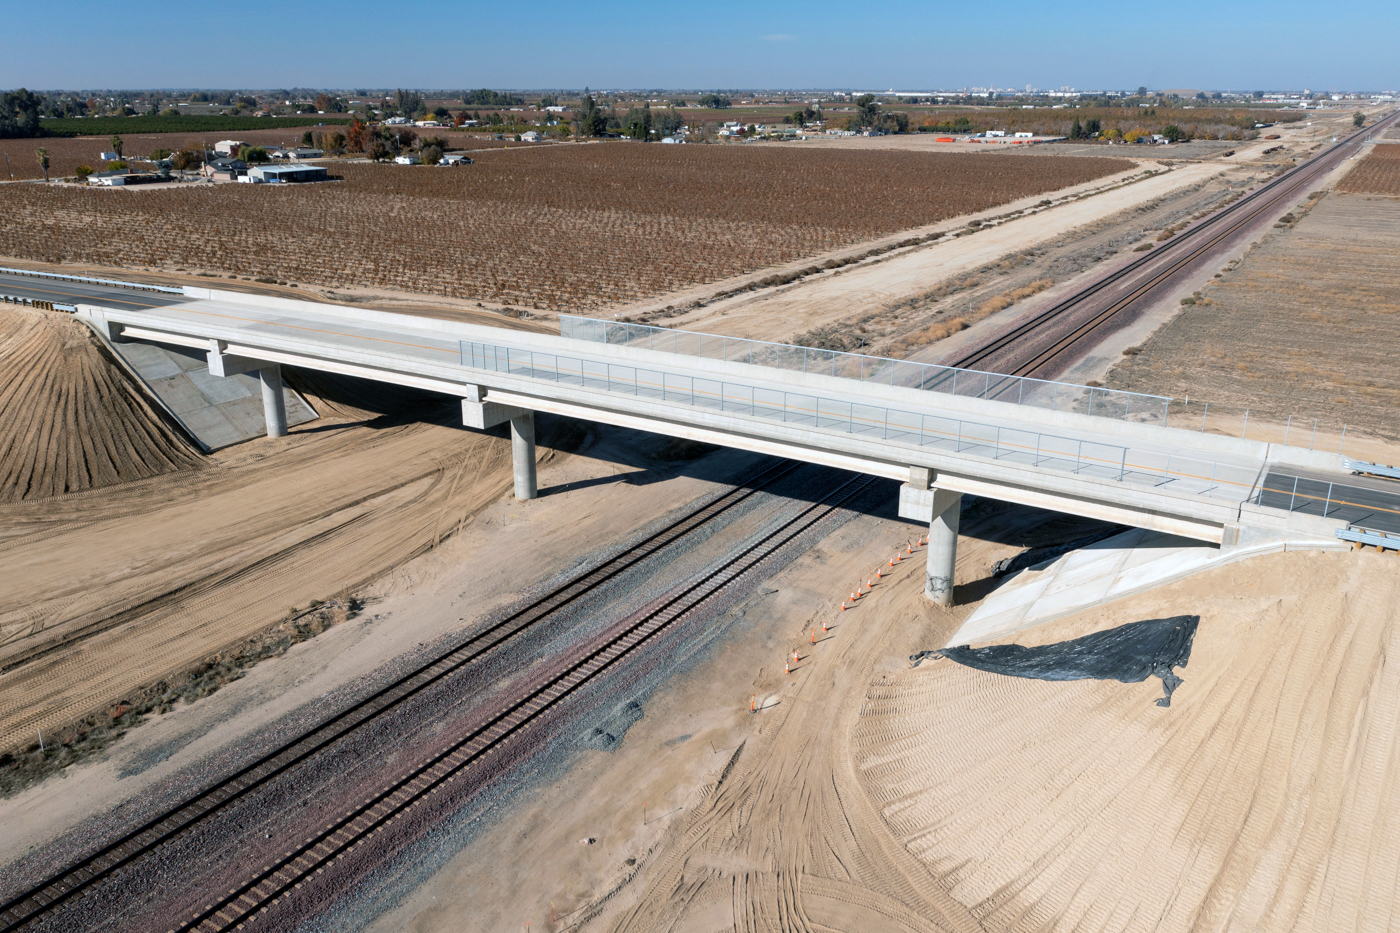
316 853
1185 249
62 887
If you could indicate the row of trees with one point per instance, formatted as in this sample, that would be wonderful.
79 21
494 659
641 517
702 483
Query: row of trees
638 123
19 114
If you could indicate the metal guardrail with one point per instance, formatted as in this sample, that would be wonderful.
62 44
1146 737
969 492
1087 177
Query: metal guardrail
929 377
1372 469
1355 505
1375 538
90 281
39 303
912 429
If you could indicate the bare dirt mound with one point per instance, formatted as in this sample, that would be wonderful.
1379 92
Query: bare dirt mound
1262 798
70 416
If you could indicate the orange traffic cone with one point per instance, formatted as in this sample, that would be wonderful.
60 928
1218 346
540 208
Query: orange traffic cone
879 574
843 607
751 699
787 668
823 628
814 636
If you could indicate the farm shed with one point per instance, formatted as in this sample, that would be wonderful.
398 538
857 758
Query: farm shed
288 173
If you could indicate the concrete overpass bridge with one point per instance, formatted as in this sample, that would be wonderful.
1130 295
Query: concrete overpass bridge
1024 441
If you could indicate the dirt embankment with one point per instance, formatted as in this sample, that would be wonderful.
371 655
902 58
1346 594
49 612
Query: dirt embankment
71 419
113 589
1263 798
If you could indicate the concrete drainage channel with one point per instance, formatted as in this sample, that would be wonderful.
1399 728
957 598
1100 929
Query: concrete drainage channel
532 706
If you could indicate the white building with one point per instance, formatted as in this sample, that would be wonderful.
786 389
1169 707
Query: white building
406 160
228 147
531 136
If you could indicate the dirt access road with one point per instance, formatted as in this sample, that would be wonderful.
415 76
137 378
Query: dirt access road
907 275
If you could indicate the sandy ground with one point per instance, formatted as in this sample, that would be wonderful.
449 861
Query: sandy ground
870 796
507 547
1263 798
116 588
739 806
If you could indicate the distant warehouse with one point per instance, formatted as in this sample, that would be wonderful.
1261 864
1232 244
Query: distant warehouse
286 173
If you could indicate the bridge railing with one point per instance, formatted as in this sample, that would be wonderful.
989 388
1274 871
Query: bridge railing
930 377
918 430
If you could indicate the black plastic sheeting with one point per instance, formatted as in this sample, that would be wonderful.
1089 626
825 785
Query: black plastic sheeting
1129 654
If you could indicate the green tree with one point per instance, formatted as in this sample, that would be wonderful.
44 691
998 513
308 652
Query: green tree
867 110
1076 131
1358 119
590 120
1173 133
431 155
377 149
83 171
637 123
42 155
252 154
117 146
714 102
1092 128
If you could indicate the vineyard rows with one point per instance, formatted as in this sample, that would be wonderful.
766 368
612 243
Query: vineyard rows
1378 173
557 228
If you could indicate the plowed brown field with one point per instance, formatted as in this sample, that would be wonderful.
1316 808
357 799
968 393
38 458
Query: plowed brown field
70 419
1378 173
559 227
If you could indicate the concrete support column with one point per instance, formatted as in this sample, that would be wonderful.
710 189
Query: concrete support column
943 549
522 453
274 400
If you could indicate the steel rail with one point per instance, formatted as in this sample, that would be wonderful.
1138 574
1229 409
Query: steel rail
317 852
1251 204
173 822
1174 265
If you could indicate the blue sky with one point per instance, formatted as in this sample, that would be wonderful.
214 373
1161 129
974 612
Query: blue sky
723 44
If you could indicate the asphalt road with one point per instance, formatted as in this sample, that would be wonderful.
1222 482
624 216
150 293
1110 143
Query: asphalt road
1365 502
57 290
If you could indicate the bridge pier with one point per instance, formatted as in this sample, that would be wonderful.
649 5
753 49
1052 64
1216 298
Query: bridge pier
942 547
274 399
522 453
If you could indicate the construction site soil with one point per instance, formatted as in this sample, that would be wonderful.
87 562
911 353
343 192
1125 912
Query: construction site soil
163 557
1304 327
866 795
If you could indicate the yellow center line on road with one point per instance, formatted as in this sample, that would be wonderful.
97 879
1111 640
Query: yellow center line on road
48 291
1325 499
